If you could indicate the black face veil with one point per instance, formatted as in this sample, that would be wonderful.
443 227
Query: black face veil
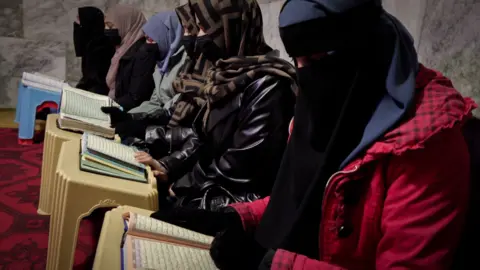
91 26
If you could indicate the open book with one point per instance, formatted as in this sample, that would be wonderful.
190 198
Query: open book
154 244
44 82
108 157
81 111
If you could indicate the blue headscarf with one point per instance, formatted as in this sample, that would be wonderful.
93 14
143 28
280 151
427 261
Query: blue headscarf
165 29
294 12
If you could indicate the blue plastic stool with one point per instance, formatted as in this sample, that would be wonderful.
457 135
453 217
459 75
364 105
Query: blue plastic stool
29 99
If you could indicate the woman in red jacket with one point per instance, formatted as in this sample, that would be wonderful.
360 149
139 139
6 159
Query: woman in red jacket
376 173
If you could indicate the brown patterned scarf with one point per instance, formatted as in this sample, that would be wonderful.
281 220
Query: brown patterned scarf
236 73
236 26
191 77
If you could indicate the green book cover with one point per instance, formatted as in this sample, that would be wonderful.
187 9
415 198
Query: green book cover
105 170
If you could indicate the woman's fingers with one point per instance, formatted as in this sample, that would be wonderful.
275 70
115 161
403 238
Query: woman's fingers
141 154
143 157
142 160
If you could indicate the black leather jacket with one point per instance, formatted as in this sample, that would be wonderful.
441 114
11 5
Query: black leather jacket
241 146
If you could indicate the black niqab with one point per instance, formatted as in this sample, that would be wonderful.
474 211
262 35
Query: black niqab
91 26
95 49
339 93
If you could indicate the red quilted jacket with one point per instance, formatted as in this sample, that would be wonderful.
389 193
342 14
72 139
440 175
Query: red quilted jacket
413 185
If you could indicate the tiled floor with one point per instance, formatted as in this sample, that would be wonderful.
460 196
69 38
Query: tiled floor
6 118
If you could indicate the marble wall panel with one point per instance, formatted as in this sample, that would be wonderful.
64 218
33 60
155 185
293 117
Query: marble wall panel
410 13
52 19
73 65
450 42
11 24
19 55
270 12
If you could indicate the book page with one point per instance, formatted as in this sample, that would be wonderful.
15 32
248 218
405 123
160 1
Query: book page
147 226
84 106
151 254
112 149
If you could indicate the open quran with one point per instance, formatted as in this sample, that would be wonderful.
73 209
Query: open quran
152 244
81 111
44 82
103 156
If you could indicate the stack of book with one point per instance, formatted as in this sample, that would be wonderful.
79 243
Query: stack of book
153 244
102 156
81 111
44 82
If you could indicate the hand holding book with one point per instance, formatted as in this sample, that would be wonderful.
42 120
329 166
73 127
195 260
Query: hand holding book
100 155
154 244
158 170
232 247
80 111
116 115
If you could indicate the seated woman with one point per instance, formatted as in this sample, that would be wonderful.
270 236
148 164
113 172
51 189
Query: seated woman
376 173
94 48
130 77
166 31
233 151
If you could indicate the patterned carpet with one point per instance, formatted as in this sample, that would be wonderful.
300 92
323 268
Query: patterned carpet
23 233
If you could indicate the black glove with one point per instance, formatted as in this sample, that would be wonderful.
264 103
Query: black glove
116 115
266 263
234 249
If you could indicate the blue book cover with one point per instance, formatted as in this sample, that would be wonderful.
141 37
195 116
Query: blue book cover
122 258
122 249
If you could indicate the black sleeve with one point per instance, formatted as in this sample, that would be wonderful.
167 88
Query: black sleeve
97 63
141 82
160 116
186 144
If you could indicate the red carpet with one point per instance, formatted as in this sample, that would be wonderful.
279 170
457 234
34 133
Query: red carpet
23 233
